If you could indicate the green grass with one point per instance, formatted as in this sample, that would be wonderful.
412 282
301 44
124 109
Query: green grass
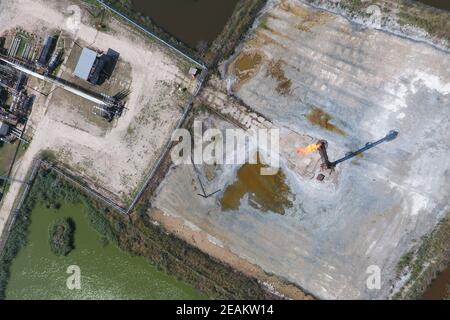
7 152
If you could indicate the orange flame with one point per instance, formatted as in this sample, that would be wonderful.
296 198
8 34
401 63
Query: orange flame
309 149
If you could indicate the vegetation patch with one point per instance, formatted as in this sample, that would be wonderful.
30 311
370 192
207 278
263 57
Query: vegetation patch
61 235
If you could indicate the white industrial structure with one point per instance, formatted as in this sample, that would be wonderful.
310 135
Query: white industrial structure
101 102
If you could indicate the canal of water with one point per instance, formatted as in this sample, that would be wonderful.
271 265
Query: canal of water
106 271
191 21
441 4
440 287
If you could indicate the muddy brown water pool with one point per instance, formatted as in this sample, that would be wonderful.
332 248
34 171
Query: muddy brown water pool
191 21
265 192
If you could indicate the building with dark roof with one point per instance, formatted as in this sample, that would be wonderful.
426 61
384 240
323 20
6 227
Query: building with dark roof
49 46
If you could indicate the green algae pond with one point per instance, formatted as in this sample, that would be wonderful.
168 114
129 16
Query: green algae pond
106 271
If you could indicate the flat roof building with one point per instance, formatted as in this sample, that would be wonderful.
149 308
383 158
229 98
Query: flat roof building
49 45
85 64
193 72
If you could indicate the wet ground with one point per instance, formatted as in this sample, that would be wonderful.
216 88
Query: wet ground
192 21
321 118
245 66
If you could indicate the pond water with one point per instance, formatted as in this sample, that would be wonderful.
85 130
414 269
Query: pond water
441 4
106 271
191 21
440 287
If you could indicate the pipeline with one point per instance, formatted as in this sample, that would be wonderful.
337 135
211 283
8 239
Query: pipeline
327 164
58 84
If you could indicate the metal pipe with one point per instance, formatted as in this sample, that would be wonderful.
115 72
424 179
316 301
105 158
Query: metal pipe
326 164
58 84
12 180
16 47
389 137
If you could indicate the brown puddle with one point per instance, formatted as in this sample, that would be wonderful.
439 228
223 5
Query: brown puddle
267 193
321 118
246 66
275 70
310 19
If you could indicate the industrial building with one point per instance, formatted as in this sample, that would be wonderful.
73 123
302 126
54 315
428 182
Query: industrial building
95 68
85 64
15 103
47 49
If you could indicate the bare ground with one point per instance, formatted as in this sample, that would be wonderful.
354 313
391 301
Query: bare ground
319 76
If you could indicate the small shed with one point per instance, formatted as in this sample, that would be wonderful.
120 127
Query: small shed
85 64
193 72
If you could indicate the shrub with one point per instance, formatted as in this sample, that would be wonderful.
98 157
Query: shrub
61 236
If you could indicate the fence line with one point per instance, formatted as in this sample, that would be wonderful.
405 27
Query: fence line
151 34
86 188
16 209
169 143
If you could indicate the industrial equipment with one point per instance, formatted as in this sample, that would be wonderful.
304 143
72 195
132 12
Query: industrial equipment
321 146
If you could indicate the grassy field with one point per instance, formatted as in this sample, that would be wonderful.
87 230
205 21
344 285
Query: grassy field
7 152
